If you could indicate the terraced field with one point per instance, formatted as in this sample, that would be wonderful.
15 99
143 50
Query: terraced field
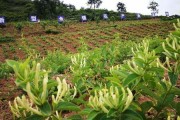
69 38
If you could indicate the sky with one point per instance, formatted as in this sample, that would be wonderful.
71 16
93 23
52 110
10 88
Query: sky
135 6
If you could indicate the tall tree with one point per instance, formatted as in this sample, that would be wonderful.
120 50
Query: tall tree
49 9
153 6
95 3
46 8
121 7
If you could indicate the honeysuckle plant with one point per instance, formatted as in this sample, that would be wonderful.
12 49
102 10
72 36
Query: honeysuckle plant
148 76
45 99
112 103
81 71
26 73
39 106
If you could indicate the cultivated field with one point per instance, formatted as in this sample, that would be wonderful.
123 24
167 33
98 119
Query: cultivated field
104 70
69 38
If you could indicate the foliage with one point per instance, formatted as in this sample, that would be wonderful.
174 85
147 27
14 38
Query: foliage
25 72
144 74
113 78
51 31
50 9
6 39
113 103
43 24
112 18
83 47
5 70
16 10
121 7
89 68
40 89
97 20
95 3
21 10
56 61
19 27
153 6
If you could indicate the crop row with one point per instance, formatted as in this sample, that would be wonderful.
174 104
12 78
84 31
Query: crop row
69 41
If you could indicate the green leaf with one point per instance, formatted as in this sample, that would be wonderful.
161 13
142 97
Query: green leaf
113 80
112 112
51 83
45 108
130 115
163 85
11 63
175 91
85 111
130 78
93 114
178 108
140 62
75 117
103 116
148 92
120 73
169 99
35 117
147 77
67 106
164 103
81 99
146 105
173 77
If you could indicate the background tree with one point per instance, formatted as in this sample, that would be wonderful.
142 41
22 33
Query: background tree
46 8
121 7
15 10
95 3
153 6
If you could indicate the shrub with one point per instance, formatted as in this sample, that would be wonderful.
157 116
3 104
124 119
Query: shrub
56 61
7 39
46 98
5 70
19 27
52 31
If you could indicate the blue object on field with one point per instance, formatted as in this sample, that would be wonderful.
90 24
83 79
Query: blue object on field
123 16
83 18
2 20
60 19
105 16
33 18
138 15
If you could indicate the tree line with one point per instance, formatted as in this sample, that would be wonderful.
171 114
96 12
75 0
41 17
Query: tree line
19 10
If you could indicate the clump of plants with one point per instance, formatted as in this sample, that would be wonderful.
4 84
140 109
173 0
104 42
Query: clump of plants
43 24
56 61
112 19
19 26
45 99
51 31
5 70
6 39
